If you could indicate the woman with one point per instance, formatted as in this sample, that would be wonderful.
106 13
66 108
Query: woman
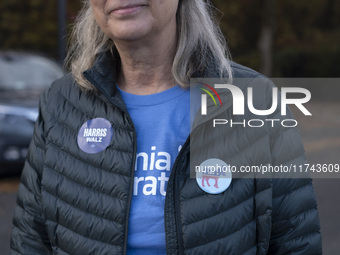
108 168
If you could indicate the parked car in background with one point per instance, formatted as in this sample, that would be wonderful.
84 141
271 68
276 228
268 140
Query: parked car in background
23 77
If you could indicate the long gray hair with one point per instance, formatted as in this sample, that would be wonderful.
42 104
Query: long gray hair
200 44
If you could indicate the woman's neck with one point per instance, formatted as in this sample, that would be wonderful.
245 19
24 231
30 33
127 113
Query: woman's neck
146 66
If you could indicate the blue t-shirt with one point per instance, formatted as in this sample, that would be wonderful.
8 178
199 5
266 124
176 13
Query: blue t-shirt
162 123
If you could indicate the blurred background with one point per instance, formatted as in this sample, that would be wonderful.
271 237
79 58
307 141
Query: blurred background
280 38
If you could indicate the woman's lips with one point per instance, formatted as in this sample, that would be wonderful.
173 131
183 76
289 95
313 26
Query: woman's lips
127 9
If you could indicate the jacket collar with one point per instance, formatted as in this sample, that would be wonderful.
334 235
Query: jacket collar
103 75
105 70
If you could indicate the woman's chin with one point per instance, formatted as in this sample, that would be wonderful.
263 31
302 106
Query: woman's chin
130 33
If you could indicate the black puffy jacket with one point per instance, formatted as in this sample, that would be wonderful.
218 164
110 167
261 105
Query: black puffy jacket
71 202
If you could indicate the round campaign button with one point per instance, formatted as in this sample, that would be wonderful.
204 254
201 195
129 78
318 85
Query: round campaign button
213 176
95 135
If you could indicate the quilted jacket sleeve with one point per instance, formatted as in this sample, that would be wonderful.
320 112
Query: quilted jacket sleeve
295 220
28 233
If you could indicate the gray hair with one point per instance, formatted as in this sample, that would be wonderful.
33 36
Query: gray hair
200 44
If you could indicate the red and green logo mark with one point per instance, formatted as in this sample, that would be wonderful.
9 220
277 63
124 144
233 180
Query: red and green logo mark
204 87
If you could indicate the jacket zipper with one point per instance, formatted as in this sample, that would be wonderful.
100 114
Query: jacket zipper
176 197
176 192
131 187
88 77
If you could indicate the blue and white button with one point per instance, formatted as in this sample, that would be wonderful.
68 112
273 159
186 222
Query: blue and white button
213 176
95 135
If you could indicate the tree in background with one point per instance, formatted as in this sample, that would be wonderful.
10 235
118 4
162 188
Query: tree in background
265 42
305 35
31 25
27 25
